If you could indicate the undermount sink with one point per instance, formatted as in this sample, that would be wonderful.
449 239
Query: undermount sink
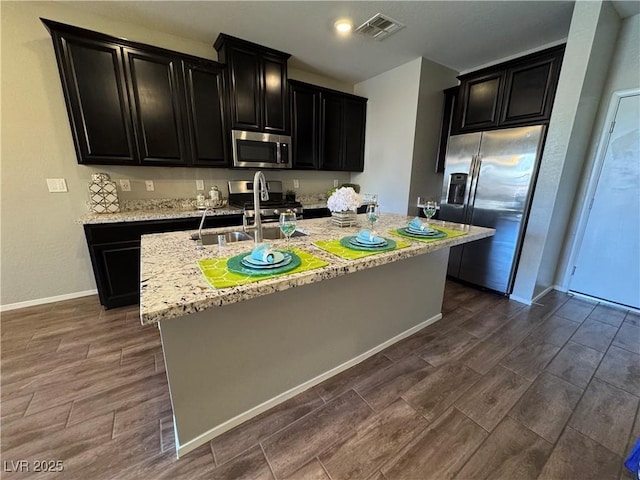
230 237
276 234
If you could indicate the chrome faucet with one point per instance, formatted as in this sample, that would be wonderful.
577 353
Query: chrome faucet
204 216
260 192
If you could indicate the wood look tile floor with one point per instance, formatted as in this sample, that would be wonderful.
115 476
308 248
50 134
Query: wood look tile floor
493 390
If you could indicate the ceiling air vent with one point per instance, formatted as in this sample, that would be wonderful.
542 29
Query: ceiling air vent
379 27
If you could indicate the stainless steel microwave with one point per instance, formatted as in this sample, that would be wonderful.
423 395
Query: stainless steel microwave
260 150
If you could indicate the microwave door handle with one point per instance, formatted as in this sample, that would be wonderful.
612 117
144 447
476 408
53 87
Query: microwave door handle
278 153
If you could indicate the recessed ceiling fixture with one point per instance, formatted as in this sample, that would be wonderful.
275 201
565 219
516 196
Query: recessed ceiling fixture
379 26
343 26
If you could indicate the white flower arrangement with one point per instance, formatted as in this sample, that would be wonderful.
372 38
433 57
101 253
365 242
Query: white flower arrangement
344 199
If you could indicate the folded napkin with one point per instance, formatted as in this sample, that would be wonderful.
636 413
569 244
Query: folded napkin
367 236
263 253
416 224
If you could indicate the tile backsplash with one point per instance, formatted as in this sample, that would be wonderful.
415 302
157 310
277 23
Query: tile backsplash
179 184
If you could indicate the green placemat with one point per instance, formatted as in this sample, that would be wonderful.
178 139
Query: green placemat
218 276
448 231
235 265
334 246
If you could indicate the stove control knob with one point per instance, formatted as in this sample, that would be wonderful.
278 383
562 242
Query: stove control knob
276 212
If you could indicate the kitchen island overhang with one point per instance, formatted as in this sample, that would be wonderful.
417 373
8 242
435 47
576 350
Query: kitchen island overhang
232 354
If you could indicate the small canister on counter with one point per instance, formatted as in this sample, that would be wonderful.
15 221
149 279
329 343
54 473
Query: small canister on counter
103 195
215 196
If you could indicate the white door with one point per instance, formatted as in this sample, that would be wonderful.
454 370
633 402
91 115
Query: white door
608 260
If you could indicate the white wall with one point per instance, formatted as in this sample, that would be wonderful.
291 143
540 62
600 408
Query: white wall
391 120
590 44
403 124
434 78
315 79
623 74
44 253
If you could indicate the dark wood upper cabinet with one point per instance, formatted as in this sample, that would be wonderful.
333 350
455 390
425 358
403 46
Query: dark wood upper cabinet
450 100
135 104
157 107
244 88
328 128
276 104
92 73
305 130
530 90
515 93
480 101
332 131
204 91
257 80
355 115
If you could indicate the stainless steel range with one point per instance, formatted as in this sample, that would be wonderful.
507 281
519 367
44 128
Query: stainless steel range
241 196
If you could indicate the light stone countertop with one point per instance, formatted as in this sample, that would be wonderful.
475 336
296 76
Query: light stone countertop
173 286
166 209
153 214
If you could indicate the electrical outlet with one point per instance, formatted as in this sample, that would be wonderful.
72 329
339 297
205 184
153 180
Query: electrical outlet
149 184
335 182
125 185
199 184
296 183
57 185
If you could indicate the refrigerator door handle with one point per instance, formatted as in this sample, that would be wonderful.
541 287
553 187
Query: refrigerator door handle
475 173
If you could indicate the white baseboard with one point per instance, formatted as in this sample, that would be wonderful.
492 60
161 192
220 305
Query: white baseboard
42 301
519 299
606 302
192 444
537 297
543 293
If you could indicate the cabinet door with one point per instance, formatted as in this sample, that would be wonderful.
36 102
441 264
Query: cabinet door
331 137
95 92
275 99
157 107
447 126
529 92
244 88
305 115
355 114
205 114
480 103
117 269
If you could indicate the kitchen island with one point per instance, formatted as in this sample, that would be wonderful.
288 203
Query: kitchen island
232 353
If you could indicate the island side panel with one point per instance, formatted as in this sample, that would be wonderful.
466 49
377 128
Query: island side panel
228 364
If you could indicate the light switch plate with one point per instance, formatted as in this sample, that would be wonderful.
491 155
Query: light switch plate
199 184
125 185
149 184
296 183
335 182
57 185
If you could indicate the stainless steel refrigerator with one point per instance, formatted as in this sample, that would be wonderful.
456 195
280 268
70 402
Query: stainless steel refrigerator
488 181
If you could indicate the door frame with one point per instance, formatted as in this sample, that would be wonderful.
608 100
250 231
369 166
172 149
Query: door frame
592 185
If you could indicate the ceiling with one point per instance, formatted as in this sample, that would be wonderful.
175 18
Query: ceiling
462 35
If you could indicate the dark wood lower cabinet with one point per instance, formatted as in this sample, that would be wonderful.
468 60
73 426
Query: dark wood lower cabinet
117 269
315 213
114 249
325 212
